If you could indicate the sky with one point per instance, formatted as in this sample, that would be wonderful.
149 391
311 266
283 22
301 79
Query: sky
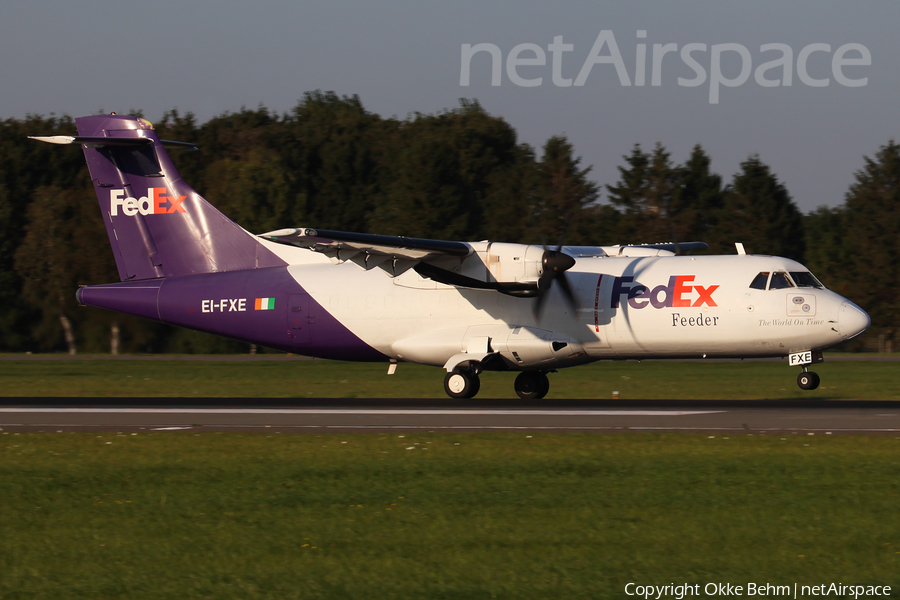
809 86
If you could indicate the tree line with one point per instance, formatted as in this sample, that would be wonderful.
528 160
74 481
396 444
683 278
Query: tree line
460 174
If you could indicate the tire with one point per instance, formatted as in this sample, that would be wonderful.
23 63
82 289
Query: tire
476 384
461 385
815 380
530 385
545 384
808 380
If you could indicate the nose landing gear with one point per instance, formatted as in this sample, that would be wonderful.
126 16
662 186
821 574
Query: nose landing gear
807 380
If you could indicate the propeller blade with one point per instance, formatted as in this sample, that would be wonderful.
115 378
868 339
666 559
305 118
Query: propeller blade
539 304
555 264
567 291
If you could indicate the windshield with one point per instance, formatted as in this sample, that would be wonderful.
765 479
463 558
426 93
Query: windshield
780 281
759 282
806 279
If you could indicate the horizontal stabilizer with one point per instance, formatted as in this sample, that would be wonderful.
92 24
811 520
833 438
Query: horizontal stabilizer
100 141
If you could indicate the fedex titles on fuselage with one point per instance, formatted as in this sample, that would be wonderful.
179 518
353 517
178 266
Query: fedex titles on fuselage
156 202
676 294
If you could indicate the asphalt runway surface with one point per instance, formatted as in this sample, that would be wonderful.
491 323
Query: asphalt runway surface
810 417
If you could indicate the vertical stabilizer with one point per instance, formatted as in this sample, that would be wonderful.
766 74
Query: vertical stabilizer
157 224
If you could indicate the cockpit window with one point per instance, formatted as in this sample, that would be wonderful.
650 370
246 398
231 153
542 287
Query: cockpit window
806 279
759 282
780 281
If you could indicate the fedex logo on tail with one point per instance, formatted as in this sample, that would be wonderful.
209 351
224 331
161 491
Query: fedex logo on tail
677 293
156 202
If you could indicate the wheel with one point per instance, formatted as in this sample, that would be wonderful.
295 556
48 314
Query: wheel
476 384
808 380
815 380
545 384
461 384
532 385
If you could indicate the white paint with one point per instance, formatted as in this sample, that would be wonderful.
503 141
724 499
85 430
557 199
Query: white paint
417 320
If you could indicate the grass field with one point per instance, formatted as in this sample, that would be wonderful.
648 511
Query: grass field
332 379
447 516
450 516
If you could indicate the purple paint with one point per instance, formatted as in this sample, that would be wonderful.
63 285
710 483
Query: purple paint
157 224
252 306
185 263
140 298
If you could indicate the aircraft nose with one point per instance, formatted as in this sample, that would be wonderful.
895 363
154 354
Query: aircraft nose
852 320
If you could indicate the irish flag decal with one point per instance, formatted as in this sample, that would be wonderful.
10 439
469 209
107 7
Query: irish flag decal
265 304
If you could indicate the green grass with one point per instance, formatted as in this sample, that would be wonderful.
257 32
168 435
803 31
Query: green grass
451 516
330 379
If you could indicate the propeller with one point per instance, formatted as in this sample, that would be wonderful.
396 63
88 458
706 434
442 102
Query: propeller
555 264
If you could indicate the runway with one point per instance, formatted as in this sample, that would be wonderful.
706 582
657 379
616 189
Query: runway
379 415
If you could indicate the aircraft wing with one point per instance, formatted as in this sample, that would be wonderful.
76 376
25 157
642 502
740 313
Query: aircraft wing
396 255
371 250
392 253
684 247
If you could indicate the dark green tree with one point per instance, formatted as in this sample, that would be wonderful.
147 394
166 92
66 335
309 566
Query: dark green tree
646 195
510 201
331 154
872 224
25 166
438 173
240 169
629 194
564 195
828 249
758 211
698 199
57 254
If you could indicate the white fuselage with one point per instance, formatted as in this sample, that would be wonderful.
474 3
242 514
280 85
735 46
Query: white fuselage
627 307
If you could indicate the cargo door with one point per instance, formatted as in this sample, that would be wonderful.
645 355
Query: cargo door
299 318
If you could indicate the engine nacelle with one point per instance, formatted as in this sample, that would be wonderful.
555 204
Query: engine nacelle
515 269
511 263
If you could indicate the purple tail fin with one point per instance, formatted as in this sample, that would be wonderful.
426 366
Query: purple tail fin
157 224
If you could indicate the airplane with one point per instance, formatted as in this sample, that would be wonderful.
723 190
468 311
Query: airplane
468 307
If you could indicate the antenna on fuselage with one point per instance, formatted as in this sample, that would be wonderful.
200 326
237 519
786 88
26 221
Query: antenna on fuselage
740 248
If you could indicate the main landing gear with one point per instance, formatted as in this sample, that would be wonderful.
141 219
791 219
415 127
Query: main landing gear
530 385
462 384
